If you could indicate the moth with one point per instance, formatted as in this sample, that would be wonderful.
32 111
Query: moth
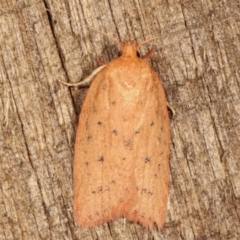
121 162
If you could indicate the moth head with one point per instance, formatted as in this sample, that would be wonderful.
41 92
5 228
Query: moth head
129 49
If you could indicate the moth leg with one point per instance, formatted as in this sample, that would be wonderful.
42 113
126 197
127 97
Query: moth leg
148 55
171 109
124 223
87 81
101 62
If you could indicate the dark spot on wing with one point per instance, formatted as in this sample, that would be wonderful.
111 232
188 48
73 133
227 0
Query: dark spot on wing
97 214
147 159
128 143
94 109
101 159
144 190
89 138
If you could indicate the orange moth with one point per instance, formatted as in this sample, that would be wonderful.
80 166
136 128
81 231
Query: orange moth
121 162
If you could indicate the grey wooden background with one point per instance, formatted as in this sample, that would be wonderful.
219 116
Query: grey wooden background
198 60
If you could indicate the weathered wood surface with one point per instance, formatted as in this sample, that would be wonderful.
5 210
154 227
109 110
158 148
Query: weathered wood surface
198 60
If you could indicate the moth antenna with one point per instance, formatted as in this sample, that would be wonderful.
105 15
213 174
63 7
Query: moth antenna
109 36
146 41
